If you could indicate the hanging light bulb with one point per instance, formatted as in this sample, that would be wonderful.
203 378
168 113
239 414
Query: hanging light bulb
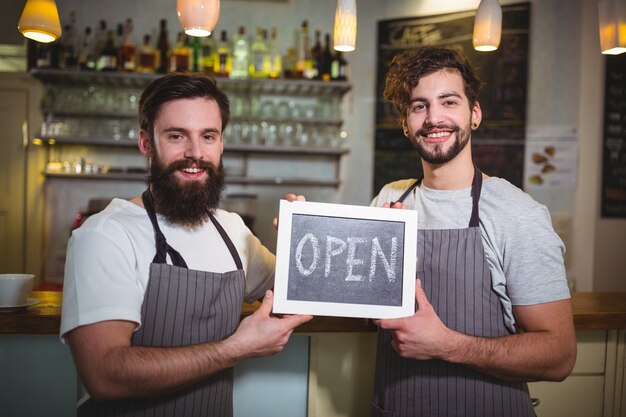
198 17
487 26
40 21
612 15
345 26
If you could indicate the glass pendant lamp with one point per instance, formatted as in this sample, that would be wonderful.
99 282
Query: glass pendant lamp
345 26
487 26
198 17
40 21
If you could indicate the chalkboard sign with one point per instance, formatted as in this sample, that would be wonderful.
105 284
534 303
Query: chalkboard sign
614 143
498 145
346 261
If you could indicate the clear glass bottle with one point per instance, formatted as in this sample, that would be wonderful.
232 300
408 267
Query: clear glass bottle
240 55
316 56
260 63
208 48
303 52
276 59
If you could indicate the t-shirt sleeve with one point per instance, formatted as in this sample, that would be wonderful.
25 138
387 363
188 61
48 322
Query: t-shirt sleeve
100 278
259 262
260 270
533 260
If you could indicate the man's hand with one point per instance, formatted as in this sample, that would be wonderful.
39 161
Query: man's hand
395 205
289 197
262 334
420 336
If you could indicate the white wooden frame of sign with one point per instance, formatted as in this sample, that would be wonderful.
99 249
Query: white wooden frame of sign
337 309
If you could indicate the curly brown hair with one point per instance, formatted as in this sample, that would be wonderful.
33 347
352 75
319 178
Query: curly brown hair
406 70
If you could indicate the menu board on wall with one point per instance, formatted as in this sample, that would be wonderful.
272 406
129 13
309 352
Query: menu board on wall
498 145
614 141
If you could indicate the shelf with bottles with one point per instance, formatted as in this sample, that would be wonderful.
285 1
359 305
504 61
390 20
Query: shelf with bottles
132 80
235 180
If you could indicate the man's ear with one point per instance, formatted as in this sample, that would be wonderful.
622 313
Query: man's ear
477 114
145 144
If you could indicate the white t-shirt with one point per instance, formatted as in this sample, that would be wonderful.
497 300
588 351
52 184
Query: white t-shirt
524 254
109 257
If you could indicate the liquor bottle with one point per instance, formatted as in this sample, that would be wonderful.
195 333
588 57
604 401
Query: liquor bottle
43 55
223 58
163 47
339 67
326 59
69 44
316 56
86 57
289 64
240 55
147 57
180 58
303 53
108 57
208 50
195 47
260 63
127 51
100 38
276 59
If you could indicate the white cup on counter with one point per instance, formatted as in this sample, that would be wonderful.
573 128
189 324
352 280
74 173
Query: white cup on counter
15 288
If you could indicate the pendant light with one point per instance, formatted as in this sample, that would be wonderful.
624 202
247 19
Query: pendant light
40 21
487 26
345 26
612 15
198 17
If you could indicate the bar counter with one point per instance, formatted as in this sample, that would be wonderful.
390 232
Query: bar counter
592 311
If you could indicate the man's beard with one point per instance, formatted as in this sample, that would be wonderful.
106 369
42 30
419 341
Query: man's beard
185 203
438 156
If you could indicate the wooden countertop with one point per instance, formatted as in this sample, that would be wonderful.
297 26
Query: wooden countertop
592 310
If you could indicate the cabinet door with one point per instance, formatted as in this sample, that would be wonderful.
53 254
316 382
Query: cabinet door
577 396
13 114
582 393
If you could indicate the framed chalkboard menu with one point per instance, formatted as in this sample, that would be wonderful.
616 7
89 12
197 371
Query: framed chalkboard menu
345 261
614 140
498 145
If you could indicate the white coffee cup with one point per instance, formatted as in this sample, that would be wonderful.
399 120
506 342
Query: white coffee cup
14 289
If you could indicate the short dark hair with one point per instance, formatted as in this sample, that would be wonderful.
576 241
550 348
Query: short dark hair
406 70
176 86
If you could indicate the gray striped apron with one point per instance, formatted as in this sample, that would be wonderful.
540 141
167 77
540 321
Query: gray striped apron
457 282
183 307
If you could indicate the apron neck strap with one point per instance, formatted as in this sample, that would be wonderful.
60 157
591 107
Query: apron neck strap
162 247
229 243
477 185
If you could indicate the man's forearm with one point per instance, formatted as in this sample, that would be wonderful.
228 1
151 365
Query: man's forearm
134 371
520 357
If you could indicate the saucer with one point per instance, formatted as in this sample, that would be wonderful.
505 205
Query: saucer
29 302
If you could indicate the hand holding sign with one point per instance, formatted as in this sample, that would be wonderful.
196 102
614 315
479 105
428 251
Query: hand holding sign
421 336
260 334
